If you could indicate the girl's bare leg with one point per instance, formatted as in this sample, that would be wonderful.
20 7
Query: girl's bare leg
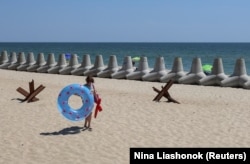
89 121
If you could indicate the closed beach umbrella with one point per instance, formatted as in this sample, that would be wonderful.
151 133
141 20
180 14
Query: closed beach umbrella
135 59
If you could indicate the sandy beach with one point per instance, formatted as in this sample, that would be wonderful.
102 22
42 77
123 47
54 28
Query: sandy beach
36 133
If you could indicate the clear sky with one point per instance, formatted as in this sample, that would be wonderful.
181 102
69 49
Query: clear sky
125 20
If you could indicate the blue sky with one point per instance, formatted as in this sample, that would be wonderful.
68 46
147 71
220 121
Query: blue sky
125 21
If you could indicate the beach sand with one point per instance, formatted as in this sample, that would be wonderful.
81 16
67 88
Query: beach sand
37 133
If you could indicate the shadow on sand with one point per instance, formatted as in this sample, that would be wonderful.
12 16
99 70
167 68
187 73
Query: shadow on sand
19 99
65 131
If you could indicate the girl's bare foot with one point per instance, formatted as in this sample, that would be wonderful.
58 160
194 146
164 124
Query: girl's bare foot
84 128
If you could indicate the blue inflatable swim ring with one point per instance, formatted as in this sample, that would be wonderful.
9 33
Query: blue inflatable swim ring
87 100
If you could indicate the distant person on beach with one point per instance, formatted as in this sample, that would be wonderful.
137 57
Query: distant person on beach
89 84
133 63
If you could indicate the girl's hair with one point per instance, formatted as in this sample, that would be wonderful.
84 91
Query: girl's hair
89 79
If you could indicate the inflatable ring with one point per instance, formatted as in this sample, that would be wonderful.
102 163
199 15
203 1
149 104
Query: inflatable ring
75 114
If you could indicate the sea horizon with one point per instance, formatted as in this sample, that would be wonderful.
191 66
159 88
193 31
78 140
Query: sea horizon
119 42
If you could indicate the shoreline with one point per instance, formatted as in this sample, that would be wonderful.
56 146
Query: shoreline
196 76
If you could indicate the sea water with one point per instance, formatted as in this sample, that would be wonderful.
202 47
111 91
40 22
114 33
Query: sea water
229 52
